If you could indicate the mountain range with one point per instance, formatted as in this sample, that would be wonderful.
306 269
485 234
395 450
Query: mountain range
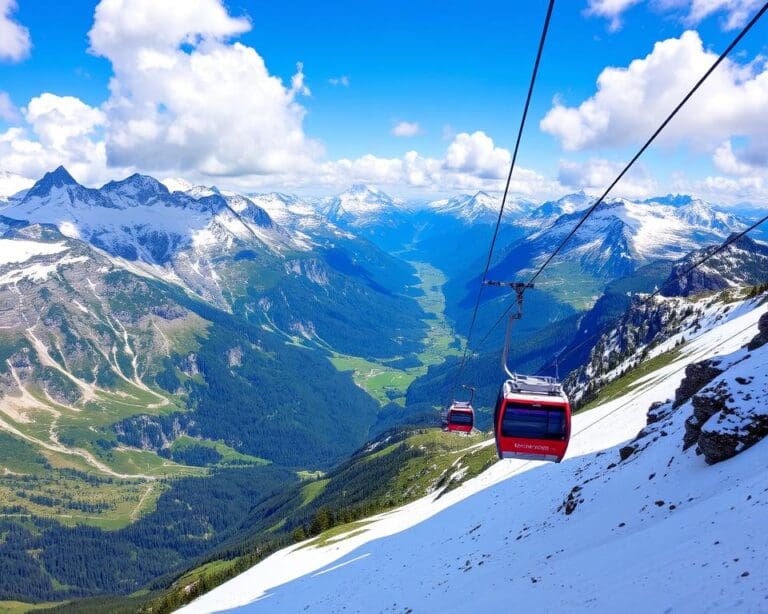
167 347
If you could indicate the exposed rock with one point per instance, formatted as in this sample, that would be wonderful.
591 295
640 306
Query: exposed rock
697 375
732 431
626 452
658 411
705 405
762 337
235 356
168 312
188 365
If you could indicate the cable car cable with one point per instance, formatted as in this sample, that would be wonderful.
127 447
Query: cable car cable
523 119
634 159
720 248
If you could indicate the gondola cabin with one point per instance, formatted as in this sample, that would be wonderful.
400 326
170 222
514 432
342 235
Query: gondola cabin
532 419
459 418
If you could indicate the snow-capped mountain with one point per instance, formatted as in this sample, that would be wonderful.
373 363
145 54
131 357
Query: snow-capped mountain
549 211
621 235
480 208
681 310
743 262
292 211
139 220
632 518
360 205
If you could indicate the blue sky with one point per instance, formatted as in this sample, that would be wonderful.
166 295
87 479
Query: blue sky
448 70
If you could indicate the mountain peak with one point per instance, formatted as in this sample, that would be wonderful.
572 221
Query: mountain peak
135 185
57 178
480 194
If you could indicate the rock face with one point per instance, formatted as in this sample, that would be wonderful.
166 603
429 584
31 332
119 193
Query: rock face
697 375
705 405
730 413
762 337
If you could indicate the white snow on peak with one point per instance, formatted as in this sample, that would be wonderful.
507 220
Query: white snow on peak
479 207
177 184
360 204
660 531
654 231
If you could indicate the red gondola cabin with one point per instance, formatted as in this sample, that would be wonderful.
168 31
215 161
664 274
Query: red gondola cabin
460 417
532 419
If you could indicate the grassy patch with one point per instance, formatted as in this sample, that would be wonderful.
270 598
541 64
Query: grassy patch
569 284
229 456
354 528
312 491
627 382
382 380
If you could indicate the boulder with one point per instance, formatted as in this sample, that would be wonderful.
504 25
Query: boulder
697 375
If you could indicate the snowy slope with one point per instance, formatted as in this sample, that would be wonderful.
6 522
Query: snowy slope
620 236
478 208
360 205
660 531
549 211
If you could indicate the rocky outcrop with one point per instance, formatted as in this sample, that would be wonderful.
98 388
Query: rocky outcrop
705 405
697 375
728 416
762 337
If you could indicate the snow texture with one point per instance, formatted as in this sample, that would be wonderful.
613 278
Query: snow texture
660 531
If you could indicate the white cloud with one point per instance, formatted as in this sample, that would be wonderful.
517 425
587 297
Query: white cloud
406 129
751 160
630 102
471 162
343 80
14 38
8 110
183 98
726 190
476 154
611 9
596 174
736 12
61 130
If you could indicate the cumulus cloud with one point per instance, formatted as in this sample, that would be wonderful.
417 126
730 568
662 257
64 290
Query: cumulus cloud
596 174
185 98
60 130
343 80
726 190
751 160
406 129
14 38
476 154
611 9
417 173
630 102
